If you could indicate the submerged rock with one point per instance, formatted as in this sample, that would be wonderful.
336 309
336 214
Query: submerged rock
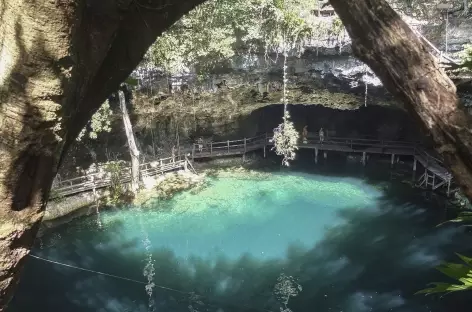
166 186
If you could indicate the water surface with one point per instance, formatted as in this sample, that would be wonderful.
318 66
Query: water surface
353 246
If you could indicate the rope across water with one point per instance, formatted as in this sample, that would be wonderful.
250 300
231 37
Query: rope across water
132 280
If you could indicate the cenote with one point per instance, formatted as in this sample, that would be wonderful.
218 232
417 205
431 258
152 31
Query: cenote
353 243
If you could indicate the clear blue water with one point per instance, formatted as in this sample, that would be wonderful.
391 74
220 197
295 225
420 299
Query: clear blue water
353 244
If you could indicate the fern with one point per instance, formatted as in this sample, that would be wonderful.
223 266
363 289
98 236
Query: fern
460 272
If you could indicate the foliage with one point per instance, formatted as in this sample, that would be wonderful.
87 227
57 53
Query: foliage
56 196
131 82
424 9
285 135
219 29
465 57
100 122
460 272
464 217
118 192
286 139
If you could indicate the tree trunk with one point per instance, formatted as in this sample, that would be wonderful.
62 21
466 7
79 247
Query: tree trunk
30 90
382 40
59 61
133 150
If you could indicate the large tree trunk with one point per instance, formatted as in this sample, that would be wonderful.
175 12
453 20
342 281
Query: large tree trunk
382 40
32 36
59 60
133 150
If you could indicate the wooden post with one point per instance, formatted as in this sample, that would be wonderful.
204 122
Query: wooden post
228 146
364 158
325 155
245 145
414 164
193 152
392 160
185 164
448 187
316 155
264 151
211 148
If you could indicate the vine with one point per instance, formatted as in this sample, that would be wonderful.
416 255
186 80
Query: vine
285 135
119 194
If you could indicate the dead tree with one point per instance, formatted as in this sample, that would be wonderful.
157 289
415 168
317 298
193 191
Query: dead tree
133 150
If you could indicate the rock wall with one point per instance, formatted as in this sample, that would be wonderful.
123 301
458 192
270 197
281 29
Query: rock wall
387 123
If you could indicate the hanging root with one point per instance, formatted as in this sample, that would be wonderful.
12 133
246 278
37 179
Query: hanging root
285 135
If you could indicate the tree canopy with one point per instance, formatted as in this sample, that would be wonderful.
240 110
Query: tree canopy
219 29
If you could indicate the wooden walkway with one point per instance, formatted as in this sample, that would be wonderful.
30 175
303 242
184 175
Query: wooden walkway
228 148
435 175
347 145
101 178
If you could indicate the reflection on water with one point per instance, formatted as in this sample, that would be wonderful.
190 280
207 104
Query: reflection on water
277 242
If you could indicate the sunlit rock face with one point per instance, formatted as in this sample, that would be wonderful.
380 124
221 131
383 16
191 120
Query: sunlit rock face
314 70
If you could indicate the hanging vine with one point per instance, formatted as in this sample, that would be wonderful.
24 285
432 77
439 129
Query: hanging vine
366 85
285 135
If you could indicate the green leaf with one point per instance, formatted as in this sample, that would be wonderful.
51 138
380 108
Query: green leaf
459 272
215 31
131 81
438 288
465 259
463 217
454 270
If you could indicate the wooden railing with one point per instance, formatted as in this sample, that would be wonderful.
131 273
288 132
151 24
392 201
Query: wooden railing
102 178
232 147
229 147
354 143
429 158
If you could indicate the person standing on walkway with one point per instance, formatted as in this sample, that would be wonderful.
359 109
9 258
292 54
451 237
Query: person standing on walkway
321 135
200 144
305 134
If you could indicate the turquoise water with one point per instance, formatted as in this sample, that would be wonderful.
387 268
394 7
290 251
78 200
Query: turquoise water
352 246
